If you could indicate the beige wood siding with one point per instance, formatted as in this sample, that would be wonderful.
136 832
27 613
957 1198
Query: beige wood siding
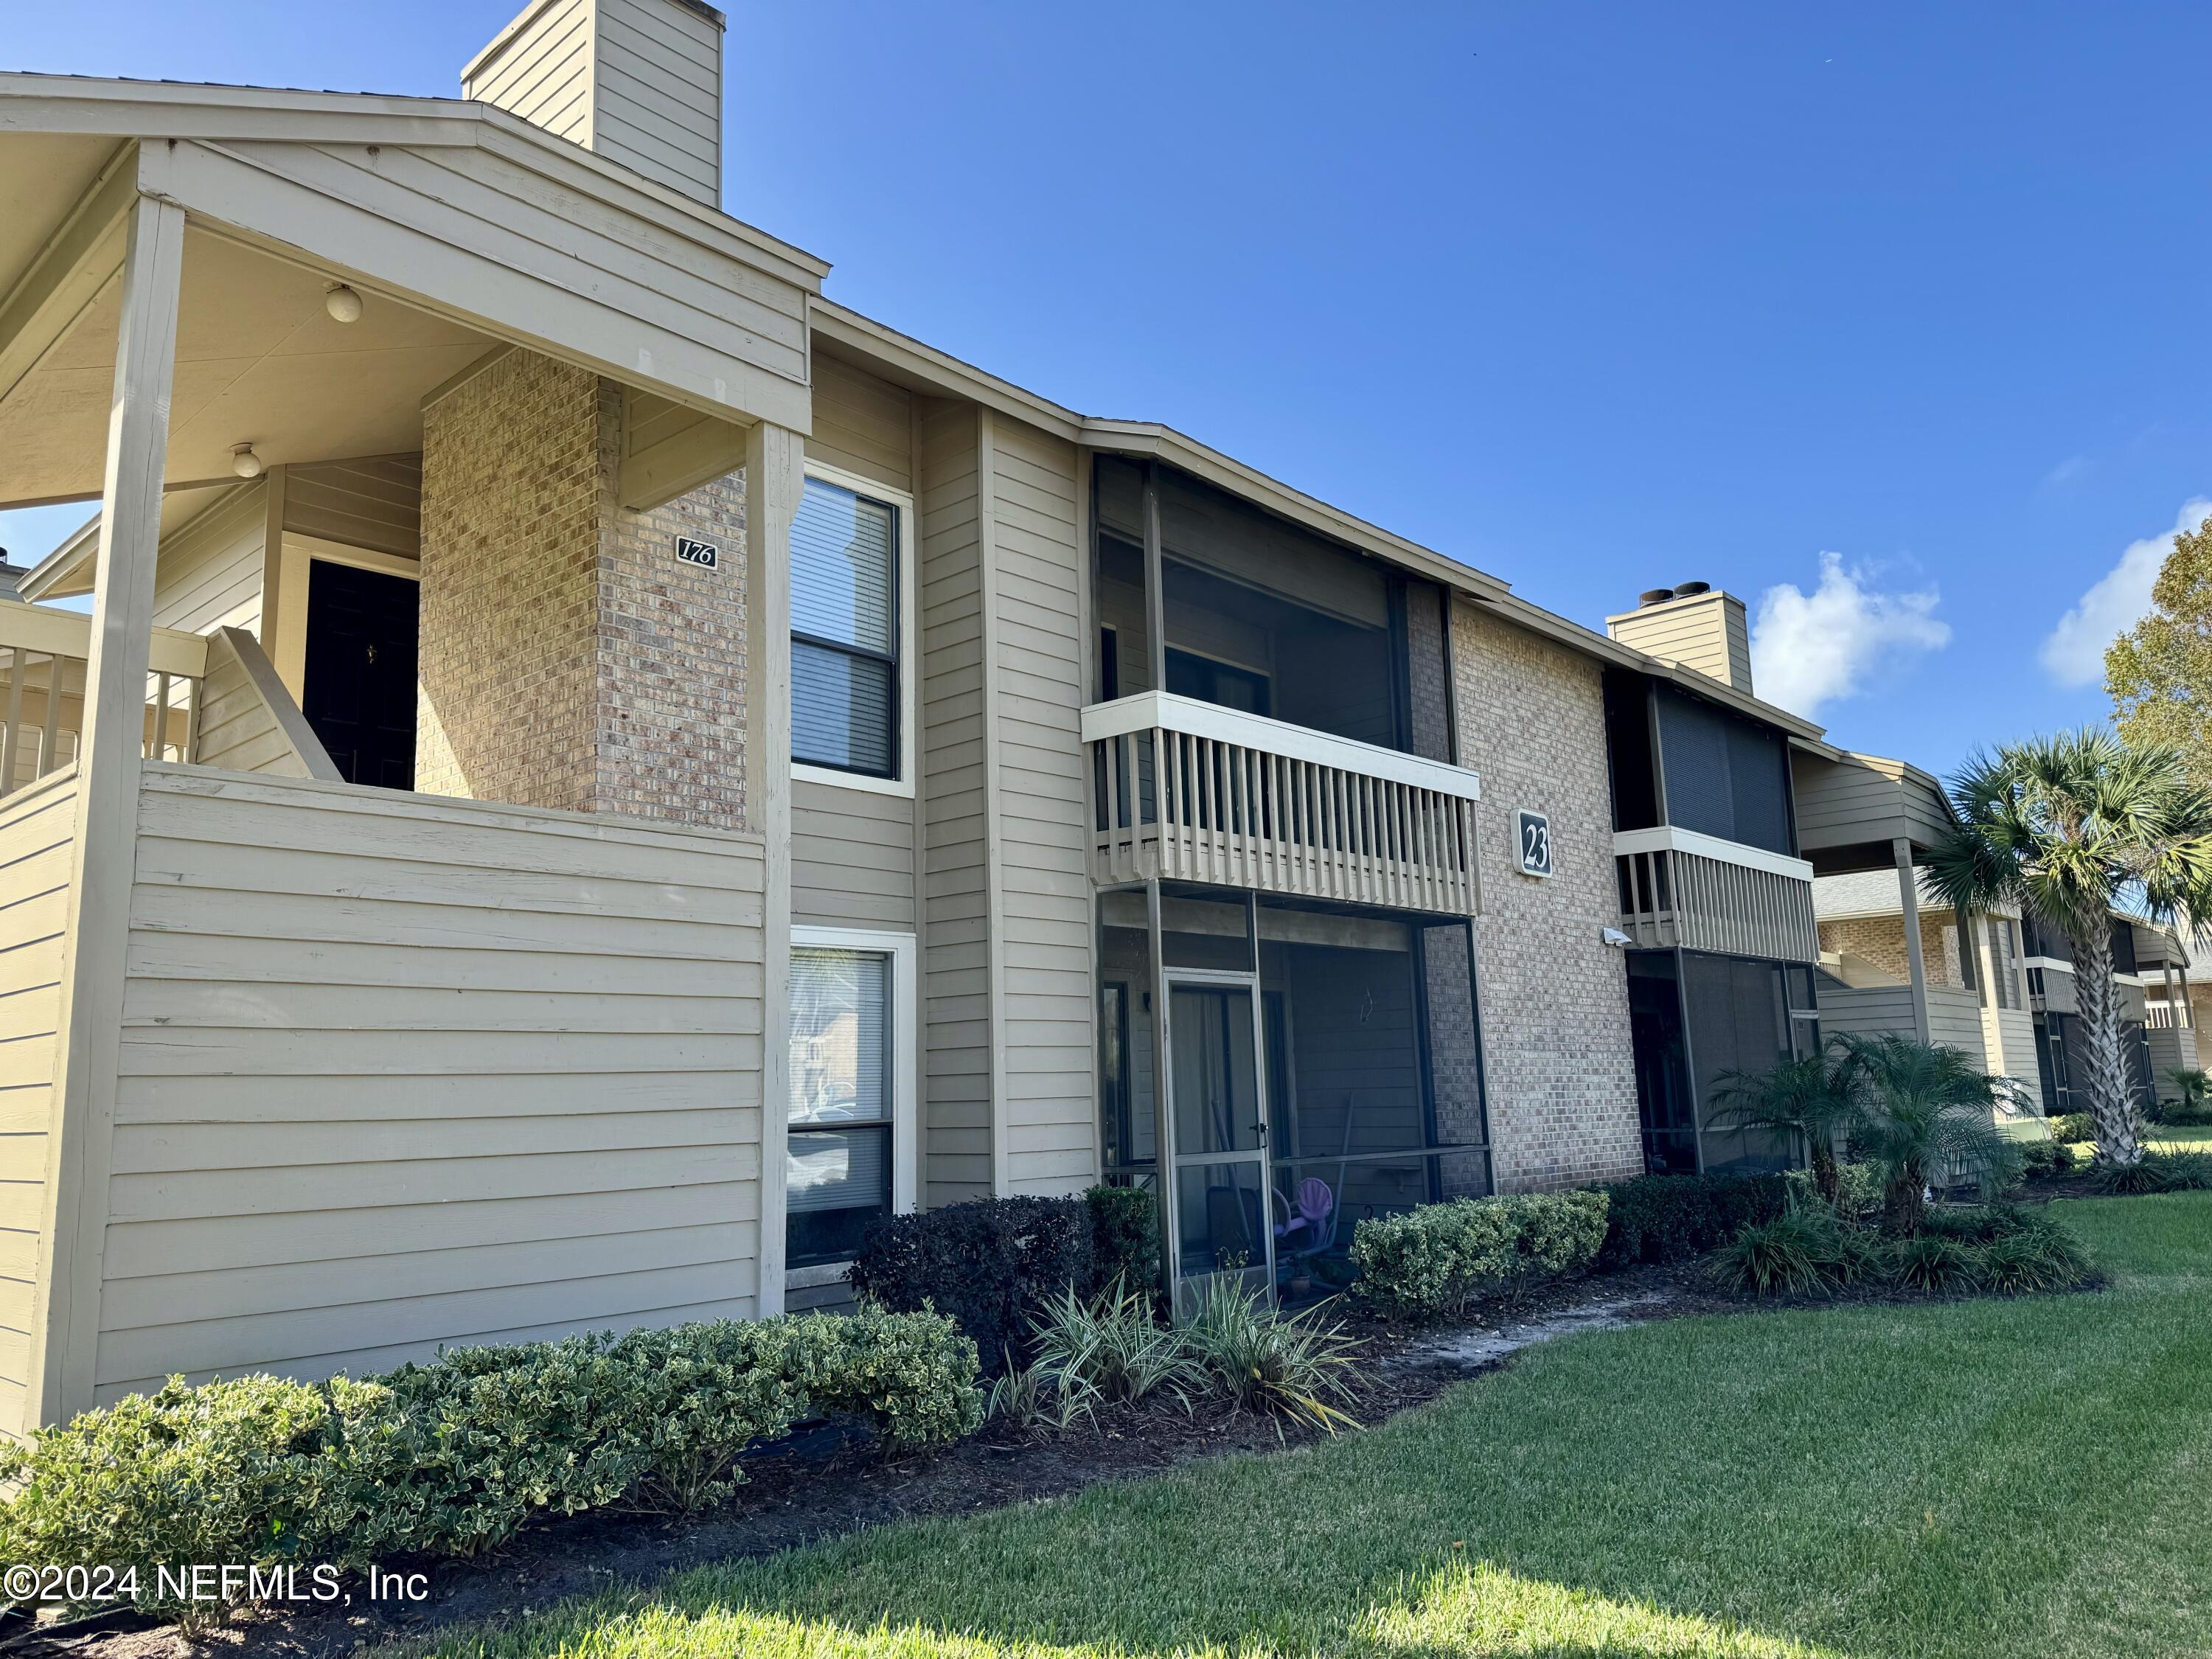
852 850
478 229
1954 1017
851 857
375 502
209 573
248 721
956 1016
862 424
1045 980
35 831
400 1071
544 75
2008 1039
658 93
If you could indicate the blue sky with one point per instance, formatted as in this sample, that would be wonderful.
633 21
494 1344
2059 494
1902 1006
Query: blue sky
1902 308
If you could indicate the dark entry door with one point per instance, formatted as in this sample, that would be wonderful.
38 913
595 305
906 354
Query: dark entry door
360 690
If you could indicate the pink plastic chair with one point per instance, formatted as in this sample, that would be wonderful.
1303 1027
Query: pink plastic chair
1315 1214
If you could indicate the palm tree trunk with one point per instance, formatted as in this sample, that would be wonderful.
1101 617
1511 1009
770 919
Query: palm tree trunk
1904 1201
2109 1102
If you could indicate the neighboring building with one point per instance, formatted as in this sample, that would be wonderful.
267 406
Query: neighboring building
1952 979
595 771
2156 1039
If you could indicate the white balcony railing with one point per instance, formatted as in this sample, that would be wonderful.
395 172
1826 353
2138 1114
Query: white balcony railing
1189 791
1680 889
42 653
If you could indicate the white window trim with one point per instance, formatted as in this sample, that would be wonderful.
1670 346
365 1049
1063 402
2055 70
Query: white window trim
909 594
906 1070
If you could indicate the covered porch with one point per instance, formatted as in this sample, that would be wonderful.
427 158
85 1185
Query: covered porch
376 768
1280 1069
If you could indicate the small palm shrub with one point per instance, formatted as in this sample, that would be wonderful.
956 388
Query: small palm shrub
1430 1262
1258 1360
1997 1248
1112 1346
2157 1172
2072 1128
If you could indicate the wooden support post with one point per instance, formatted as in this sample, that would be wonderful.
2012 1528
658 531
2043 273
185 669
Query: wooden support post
774 478
65 1313
1908 888
1156 599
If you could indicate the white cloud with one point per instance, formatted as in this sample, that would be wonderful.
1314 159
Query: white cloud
2074 652
2066 472
1811 649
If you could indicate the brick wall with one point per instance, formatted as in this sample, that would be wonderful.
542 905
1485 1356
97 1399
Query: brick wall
1880 941
567 659
1554 997
1427 692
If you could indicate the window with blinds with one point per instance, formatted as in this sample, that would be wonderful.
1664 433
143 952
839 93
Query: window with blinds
844 632
837 1158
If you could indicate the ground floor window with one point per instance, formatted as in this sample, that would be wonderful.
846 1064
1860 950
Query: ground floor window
848 1147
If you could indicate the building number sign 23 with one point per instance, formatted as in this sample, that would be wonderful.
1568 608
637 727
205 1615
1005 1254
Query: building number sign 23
1534 831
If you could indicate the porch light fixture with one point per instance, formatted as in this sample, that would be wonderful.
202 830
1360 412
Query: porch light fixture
342 303
244 462
1615 939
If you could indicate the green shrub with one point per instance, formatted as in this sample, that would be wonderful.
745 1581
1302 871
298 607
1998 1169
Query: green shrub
992 1265
2039 1256
454 1457
1430 1262
1973 1223
222 1472
1673 1218
2072 1128
1933 1262
1125 1238
1801 1253
1260 1360
2046 1160
1112 1346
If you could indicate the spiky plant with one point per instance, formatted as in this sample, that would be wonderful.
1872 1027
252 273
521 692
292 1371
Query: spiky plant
1809 1099
1926 1109
2069 827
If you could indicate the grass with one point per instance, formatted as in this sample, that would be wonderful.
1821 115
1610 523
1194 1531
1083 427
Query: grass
1969 1478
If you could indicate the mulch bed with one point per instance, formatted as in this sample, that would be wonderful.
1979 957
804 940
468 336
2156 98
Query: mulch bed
829 1482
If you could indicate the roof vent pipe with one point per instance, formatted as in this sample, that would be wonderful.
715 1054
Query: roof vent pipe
1655 596
1690 590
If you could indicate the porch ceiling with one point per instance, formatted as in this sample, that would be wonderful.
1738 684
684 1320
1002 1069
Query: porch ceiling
259 361
42 176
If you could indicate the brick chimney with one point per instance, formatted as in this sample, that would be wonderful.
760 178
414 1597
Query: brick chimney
1694 624
639 82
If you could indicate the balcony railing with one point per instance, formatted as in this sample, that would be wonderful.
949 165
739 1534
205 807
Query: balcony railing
43 654
1682 889
1189 791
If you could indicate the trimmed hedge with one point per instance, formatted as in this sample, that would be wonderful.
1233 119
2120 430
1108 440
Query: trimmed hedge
1124 1237
2072 1128
2045 1160
454 1457
1432 1261
991 1264
1673 1217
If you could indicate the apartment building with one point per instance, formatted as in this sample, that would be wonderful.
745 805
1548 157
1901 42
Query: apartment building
593 771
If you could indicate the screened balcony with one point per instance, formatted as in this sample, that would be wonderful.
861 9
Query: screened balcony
1186 790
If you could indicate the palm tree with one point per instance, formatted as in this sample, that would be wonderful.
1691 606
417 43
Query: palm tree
1806 1097
2067 827
1927 1110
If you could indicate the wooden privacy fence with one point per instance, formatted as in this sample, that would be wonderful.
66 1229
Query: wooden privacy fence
43 657
1188 791
1671 898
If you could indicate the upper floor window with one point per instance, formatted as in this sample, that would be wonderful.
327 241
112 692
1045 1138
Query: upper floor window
845 632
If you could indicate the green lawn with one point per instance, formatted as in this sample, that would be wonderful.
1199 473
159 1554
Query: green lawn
1981 1478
